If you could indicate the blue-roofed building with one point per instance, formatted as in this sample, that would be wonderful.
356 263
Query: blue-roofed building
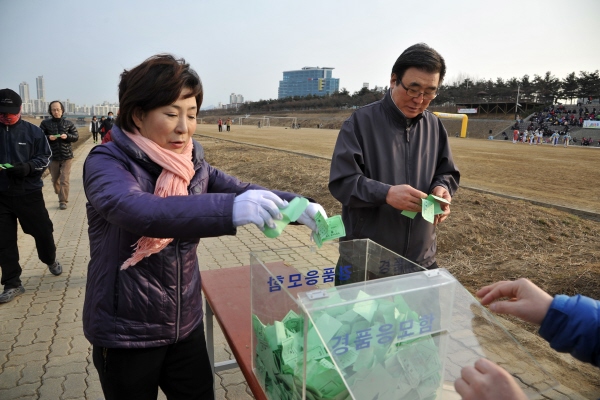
308 81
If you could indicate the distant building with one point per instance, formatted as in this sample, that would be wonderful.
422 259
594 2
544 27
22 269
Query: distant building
104 108
39 106
83 110
99 110
41 88
365 85
236 99
24 92
308 81
69 107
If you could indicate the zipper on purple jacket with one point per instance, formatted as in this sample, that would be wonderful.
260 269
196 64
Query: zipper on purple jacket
178 290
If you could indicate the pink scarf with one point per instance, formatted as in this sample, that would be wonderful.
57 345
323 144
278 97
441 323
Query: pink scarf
178 170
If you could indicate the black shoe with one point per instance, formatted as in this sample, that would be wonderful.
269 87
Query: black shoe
55 268
9 294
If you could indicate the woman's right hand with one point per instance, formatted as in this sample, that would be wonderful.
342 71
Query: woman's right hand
258 207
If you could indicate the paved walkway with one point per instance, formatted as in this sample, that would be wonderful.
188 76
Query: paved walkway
43 352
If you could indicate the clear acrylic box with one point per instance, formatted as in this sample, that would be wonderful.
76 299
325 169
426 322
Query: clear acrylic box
353 320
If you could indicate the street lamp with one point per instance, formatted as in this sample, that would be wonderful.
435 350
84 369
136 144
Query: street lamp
517 102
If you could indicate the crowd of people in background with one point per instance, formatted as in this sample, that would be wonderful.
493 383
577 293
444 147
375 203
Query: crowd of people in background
559 115
553 125
102 128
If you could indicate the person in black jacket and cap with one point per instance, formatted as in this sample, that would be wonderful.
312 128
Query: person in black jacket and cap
60 133
107 125
24 155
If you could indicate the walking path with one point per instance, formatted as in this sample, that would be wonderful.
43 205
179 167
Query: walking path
43 352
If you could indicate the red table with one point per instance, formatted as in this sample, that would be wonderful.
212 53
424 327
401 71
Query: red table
227 293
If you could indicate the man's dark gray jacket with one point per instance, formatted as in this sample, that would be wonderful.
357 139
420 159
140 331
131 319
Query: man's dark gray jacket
376 149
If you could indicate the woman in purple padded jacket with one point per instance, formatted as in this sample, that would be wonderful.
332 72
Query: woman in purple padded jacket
151 197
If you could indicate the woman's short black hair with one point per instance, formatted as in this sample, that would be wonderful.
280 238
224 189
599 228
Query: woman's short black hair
156 82
422 57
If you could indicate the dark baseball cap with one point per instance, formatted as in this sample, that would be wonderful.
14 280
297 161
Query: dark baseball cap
10 101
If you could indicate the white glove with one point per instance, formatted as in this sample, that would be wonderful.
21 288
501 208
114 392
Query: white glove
308 216
257 207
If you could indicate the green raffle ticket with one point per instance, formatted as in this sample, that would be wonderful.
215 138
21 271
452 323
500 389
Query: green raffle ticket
290 214
6 166
328 228
430 207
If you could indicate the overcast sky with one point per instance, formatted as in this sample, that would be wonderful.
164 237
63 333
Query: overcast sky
243 46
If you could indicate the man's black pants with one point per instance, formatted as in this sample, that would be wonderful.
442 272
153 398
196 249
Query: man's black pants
30 210
182 370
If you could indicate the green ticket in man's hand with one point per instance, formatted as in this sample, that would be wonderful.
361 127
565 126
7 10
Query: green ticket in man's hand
430 207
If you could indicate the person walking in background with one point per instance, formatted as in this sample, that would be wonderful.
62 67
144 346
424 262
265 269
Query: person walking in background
220 125
554 138
393 153
107 138
26 149
566 139
531 138
102 119
107 124
569 324
515 136
228 124
95 129
151 190
60 133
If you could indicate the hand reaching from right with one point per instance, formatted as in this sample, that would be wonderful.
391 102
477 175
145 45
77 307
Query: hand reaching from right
526 300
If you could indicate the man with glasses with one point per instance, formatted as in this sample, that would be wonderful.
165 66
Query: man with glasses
391 154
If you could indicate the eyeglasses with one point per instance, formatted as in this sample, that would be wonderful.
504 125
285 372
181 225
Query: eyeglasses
415 93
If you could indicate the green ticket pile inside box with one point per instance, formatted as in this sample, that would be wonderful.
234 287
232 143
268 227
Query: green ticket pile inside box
353 320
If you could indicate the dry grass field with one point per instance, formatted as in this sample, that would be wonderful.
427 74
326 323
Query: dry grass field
545 173
487 237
